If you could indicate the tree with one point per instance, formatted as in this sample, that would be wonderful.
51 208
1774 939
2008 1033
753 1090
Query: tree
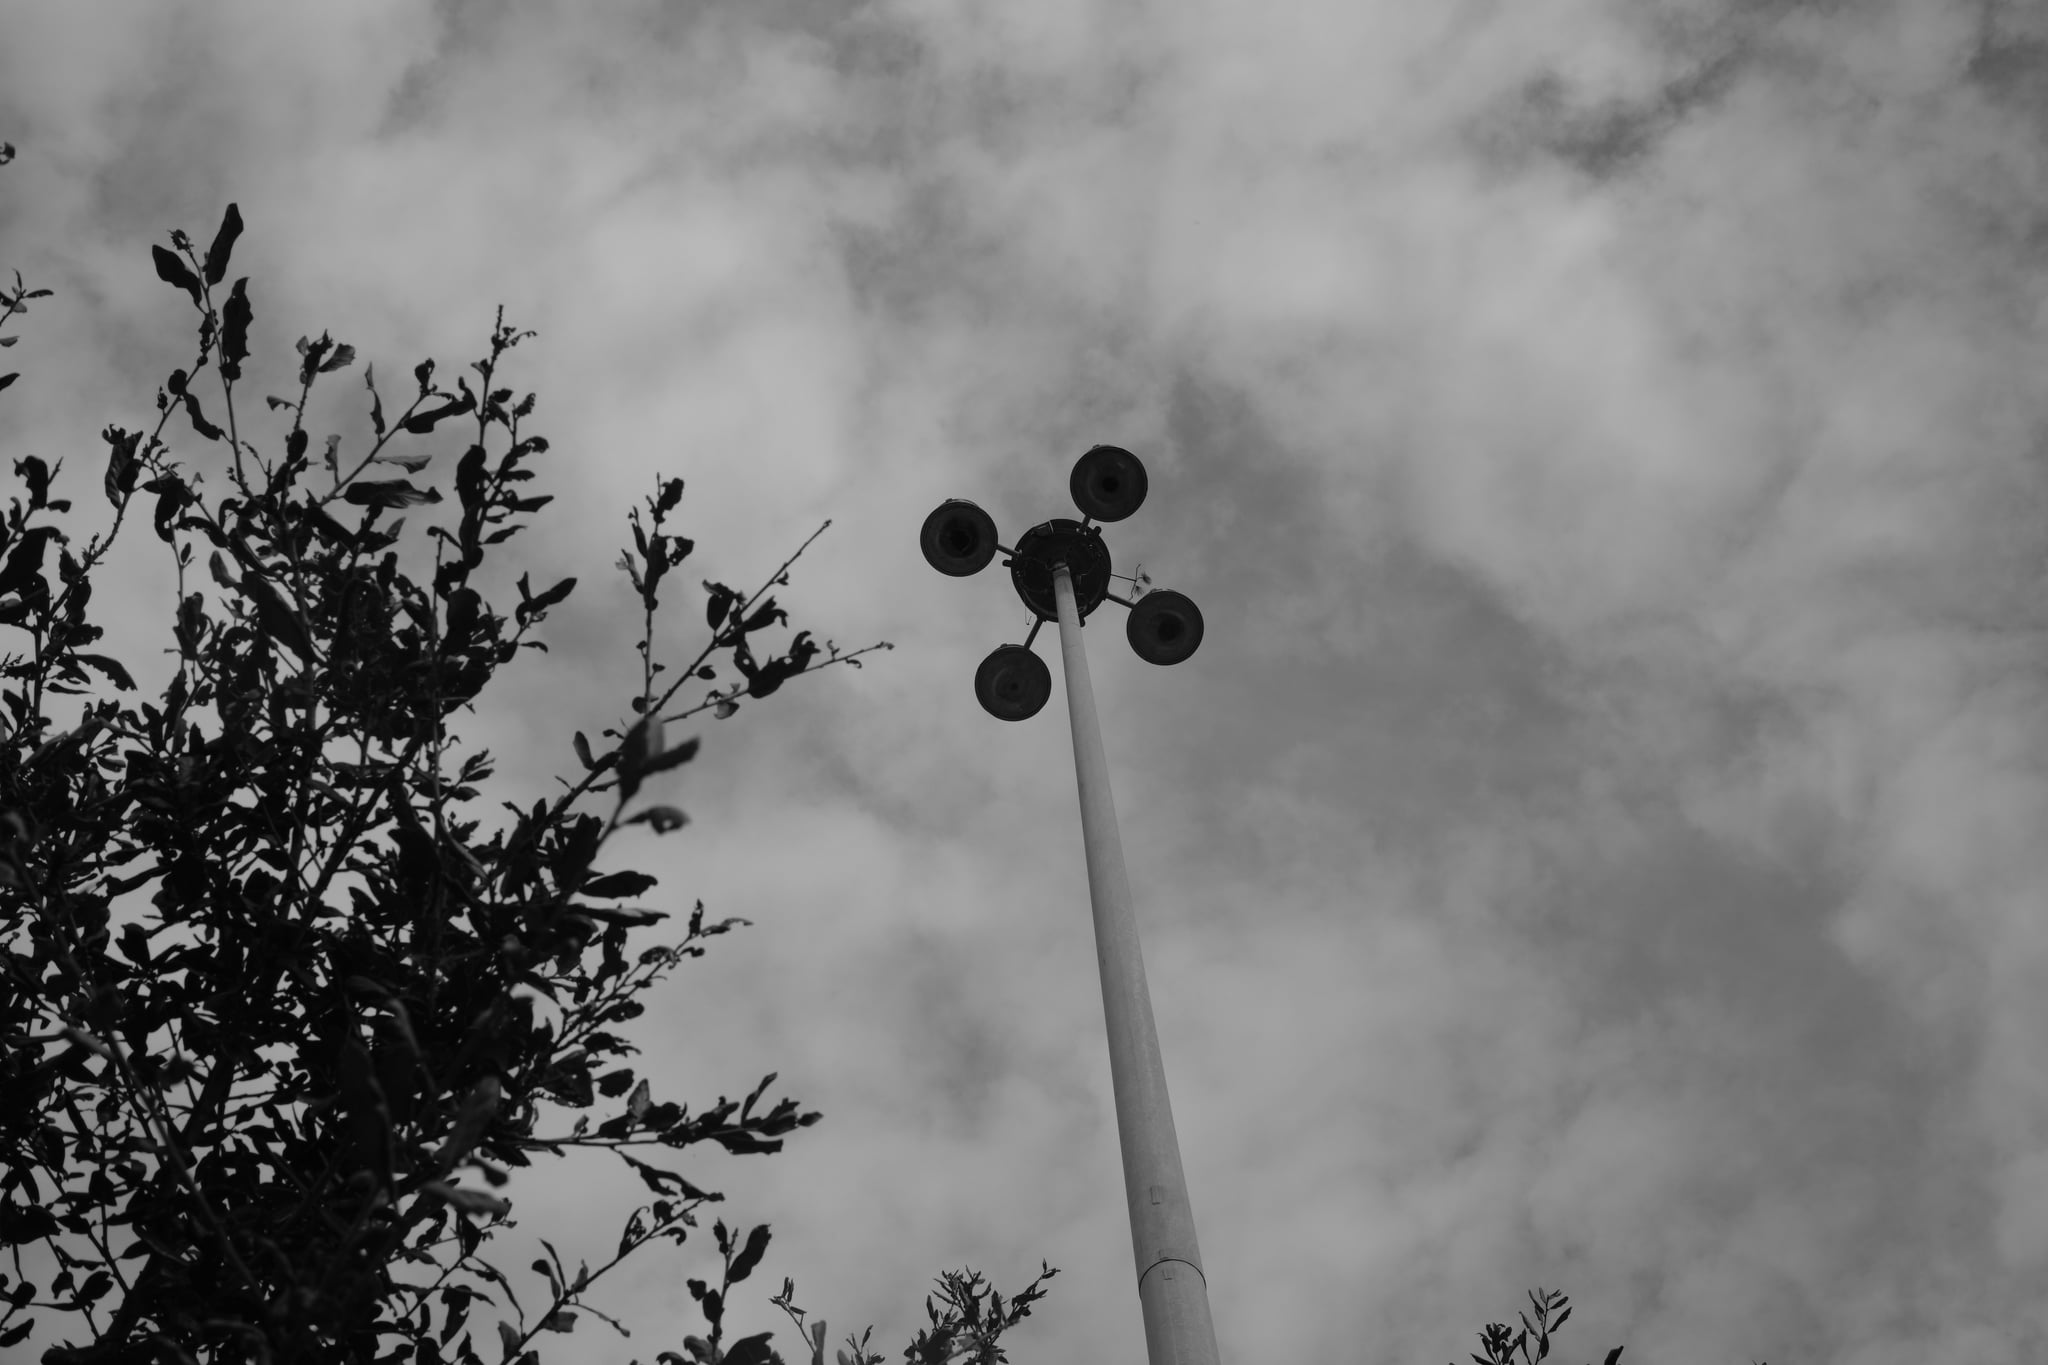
1500 1348
239 1121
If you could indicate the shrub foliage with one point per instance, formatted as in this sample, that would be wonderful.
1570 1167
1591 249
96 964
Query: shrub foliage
280 1013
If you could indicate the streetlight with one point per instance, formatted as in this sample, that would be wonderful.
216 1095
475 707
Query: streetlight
1061 570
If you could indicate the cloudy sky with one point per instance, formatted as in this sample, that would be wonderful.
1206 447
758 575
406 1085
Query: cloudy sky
1599 844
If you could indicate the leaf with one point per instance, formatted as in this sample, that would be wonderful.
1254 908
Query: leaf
720 603
376 403
763 616
725 709
663 818
171 270
87 1041
657 1179
618 884
469 477
344 355
172 497
643 743
759 1090
467 1200
767 681
559 1322
508 1335
420 423
631 918
412 464
673 758
740 1142
365 1101
112 668
122 465
555 594
36 473
8 379
477 1112
278 620
640 1100
752 1351
21 1224
24 568
223 243
389 493
465 613
8 341
199 422
234 330
750 1255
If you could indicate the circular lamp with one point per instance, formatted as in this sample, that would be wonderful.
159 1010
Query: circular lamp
958 538
1108 483
1012 683
1164 627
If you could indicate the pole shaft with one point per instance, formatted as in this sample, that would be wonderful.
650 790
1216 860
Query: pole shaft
1171 1286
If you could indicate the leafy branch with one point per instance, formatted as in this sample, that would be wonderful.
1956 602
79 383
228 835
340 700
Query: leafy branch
273 1024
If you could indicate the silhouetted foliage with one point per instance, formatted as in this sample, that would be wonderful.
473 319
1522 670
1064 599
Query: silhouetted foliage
1500 1347
263 1116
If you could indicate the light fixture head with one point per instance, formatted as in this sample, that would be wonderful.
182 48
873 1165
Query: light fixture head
1108 483
1012 683
1164 627
958 538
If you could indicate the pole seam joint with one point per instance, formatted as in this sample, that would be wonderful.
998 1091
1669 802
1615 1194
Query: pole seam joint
1181 1260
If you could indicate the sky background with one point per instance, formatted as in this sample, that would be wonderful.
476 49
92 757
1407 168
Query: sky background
1600 842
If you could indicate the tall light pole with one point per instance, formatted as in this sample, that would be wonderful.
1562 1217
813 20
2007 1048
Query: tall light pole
1061 570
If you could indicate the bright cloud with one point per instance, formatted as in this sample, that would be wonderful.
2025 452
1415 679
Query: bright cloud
1599 843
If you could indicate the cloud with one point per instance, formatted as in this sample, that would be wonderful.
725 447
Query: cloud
1597 843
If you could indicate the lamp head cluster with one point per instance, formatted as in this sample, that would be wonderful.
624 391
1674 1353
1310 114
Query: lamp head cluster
1108 484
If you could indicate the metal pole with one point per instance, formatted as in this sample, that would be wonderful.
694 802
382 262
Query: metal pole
1171 1286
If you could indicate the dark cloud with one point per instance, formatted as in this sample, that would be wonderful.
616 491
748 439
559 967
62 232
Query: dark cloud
2013 68
1602 138
1598 842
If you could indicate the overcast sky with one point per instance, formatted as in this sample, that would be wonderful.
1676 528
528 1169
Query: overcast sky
1603 840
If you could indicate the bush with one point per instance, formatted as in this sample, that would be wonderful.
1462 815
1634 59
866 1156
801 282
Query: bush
241 1121
1500 1348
